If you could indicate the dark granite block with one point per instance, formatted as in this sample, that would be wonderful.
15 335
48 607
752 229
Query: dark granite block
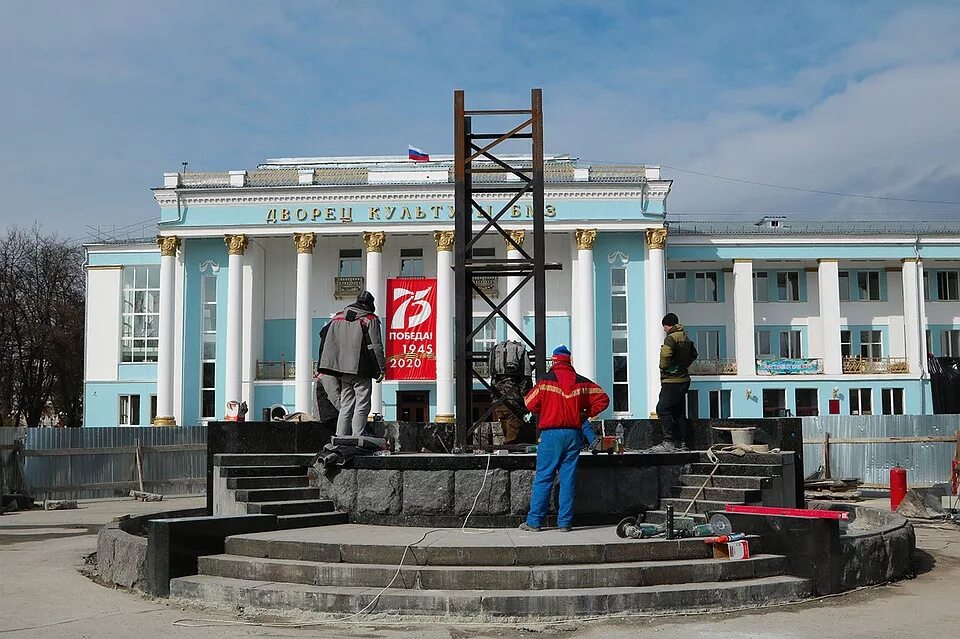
173 545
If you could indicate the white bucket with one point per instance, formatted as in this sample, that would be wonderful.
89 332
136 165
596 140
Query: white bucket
742 436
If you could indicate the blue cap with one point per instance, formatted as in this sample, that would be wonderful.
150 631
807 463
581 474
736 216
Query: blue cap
562 350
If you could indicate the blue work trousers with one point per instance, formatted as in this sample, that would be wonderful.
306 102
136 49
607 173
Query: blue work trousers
557 453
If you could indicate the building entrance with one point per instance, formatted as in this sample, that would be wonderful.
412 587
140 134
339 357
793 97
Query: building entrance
413 406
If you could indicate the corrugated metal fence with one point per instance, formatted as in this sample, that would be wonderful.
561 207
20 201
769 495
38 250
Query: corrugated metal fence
87 463
868 446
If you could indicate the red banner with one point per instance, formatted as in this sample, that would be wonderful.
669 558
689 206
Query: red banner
411 328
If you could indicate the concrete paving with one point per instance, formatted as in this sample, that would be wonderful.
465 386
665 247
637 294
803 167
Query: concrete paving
43 594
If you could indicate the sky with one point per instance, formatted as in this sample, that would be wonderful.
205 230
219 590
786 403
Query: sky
99 98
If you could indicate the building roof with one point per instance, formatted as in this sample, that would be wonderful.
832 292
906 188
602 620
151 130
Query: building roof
783 226
362 170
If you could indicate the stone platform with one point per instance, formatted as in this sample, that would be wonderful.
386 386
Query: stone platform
498 574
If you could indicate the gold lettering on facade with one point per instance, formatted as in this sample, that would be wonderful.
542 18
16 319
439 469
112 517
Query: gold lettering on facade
346 214
390 211
272 216
316 215
406 214
284 215
453 211
331 214
302 215
418 212
421 214
549 211
436 211
374 212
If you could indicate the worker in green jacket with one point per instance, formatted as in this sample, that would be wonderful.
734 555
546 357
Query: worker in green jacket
676 356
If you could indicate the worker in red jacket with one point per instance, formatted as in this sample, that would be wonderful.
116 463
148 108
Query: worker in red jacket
563 400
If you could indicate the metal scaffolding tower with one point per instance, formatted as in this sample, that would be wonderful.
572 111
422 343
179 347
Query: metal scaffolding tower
474 155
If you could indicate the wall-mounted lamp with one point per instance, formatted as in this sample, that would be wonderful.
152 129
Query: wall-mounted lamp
836 392
749 394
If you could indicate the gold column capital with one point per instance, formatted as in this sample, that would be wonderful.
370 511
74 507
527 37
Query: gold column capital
444 240
304 242
585 239
236 244
656 238
168 245
164 421
517 235
374 241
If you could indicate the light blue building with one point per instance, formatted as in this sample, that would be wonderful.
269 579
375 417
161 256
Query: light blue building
249 265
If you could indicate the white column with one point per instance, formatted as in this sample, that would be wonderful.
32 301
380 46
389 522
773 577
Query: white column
913 316
656 305
828 280
304 401
585 357
236 246
574 316
165 351
375 285
514 307
444 310
744 321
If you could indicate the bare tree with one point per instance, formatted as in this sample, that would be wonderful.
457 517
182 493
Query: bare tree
41 326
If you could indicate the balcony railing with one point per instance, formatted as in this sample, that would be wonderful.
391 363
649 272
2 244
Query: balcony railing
790 366
714 367
489 285
875 365
347 287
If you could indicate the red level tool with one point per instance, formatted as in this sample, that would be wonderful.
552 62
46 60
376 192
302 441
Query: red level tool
788 512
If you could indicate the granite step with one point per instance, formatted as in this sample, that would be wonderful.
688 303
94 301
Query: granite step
727 495
245 483
515 604
264 459
741 470
747 458
277 494
303 520
263 471
702 506
291 507
357 544
647 573
725 481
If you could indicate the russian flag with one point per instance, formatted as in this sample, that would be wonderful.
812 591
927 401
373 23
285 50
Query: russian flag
415 154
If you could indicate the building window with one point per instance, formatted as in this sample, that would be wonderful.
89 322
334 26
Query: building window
861 401
693 404
411 262
677 287
788 286
705 287
129 410
868 286
761 287
928 339
719 404
846 349
948 285
950 343
807 402
763 344
790 344
620 342
926 286
351 263
774 402
208 346
708 344
892 401
486 338
140 314
844 285
153 408
871 344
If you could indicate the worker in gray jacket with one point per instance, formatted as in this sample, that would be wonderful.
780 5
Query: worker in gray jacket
351 349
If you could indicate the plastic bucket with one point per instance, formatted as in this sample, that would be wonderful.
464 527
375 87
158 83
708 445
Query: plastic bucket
742 436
